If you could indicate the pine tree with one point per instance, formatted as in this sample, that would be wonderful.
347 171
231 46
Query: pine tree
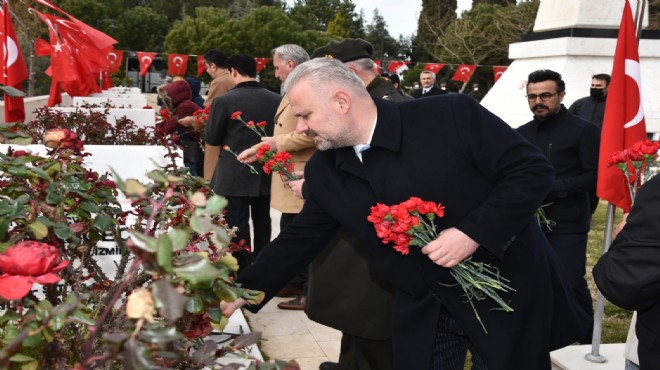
434 17
494 2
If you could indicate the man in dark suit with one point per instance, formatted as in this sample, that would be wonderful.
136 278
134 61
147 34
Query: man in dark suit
443 149
628 275
427 80
248 194
571 144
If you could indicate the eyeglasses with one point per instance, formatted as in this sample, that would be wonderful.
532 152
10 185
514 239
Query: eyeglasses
543 97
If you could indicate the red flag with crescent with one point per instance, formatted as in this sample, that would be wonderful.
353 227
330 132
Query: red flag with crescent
177 64
145 59
395 65
106 81
497 72
201 65
464 72
434 67
12 67
624 122
261 63
115 58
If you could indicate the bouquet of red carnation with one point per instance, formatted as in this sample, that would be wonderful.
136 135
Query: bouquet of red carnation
635 163
276 162
202 117
411 224
258 128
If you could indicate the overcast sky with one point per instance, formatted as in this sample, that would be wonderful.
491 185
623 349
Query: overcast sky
401 15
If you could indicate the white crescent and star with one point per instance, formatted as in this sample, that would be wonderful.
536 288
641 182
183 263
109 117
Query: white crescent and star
633 71
148 59
112 56
464 70
180 61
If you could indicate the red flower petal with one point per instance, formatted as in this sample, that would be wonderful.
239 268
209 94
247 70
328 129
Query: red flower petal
47 279
15 287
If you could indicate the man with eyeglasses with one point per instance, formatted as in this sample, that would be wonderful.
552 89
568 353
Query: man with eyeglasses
571 144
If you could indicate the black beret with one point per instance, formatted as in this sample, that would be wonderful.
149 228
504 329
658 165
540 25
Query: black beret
346 50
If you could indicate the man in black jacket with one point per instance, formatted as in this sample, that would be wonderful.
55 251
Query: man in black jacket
443 149
571 144
592 107
628 275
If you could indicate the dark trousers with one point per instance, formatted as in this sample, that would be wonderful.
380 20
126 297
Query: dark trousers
572 252
358 353
239 212
451 346
300 281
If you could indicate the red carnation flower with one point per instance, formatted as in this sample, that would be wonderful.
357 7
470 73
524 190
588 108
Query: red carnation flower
236 115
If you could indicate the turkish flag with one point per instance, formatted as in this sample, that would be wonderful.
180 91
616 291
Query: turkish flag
62 64
497 72
464 72
145 59
177 64
434 67
624 122
201 65
55 96
395 65
115 58
12 67
261 63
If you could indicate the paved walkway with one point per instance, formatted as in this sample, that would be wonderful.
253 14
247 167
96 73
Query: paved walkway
291 335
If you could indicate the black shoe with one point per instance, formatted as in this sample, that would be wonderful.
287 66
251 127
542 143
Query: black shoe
329 366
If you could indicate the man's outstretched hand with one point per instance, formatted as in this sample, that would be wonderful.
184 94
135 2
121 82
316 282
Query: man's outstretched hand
228 308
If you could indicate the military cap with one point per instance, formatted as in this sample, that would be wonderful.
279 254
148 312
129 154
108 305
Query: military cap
346 50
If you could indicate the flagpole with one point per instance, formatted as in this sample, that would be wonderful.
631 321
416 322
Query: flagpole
594 355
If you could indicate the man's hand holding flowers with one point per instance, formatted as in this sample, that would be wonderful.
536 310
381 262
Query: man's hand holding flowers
450 248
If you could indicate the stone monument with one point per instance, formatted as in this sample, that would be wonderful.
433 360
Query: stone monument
576 38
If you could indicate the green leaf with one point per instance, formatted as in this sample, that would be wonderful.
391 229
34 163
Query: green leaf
168 300
215 205
200 224
54 198
144 242
118 180
102 222
20 171
39 230
160 336
197 271
63 233
158 176
49 335
80 316
195 305
224 292
90 207
40 173
33 340
134 188
4 228
46 221
215 314
164 253
21 358
34 365
179 239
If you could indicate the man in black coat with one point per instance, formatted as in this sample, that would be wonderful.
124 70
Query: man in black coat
444 149
248 194
571 144
427 80
628 275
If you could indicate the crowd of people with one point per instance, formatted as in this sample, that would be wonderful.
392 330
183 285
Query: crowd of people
357 140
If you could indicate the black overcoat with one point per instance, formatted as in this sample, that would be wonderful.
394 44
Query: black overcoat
451 150
231 177
628 275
